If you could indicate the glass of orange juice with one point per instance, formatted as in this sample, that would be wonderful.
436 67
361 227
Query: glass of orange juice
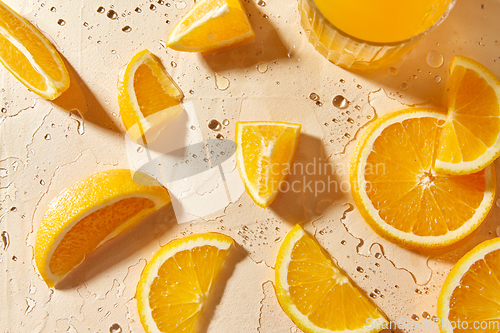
366 34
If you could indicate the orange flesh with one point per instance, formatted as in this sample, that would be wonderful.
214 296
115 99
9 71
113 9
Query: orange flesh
86 235
17 61
478 295
328 303
475 120
257 146
407 192
149 92
177 294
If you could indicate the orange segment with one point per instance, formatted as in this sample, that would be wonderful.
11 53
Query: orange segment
30 57
87 214
471 291
471 138
316 294
175 284
149 99
210 25
399 192
264 153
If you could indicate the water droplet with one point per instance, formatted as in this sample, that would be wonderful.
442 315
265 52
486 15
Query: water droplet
393 71
262 68
426 315
101 10
342 81
437 79
115 328
192 127
343 242
13 209
127 28
350 120
4 110
418 291
195 156
372 295
360 269
261 3
396 286
357 107
5 240
173 64
214 125
221 82
225 122
112 14
53 9
76 116
314 97
404 86
378 255
376 291
277 240
42 182
85 24
47 137
220 136
138 10
435 59
482 6
14 258
347 135
266 16
161 2
498 202
498 231
152 7
318 103
415 317
139 149
340 102
359 86
414 77
61 22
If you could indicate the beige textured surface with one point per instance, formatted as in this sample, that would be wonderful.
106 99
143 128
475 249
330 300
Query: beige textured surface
44 149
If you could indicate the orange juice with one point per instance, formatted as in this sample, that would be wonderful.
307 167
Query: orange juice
368 33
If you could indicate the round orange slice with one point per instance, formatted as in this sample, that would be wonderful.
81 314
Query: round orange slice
400 193
469 300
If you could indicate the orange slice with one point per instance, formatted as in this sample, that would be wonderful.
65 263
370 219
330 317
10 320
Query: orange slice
470 139
30 57
89 213
402 196
316 294
149 98
211 25
469 300
264 154
176 283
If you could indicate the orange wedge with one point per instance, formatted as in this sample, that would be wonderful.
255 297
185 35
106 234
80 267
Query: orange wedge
89 213
469 300
30 57
400 193
316 294
264 154
149 99
176 283
470 139
211 25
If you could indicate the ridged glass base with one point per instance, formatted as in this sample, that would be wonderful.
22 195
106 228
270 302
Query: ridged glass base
343 50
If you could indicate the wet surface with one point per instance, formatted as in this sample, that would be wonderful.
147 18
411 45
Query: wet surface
47 146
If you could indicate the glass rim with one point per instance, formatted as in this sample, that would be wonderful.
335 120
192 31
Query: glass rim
403 41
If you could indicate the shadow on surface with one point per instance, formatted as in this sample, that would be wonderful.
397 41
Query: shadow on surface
119 248
236 255
312 185
79 98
